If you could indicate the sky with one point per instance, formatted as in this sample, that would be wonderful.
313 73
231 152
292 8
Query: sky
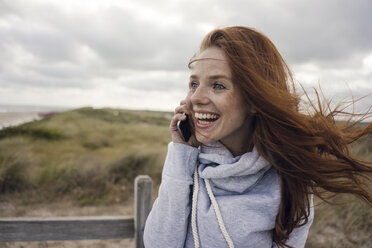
133 54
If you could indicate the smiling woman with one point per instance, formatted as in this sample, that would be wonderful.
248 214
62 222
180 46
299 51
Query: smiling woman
247 176
216 104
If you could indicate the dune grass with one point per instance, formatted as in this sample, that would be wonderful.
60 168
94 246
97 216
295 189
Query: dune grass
86 155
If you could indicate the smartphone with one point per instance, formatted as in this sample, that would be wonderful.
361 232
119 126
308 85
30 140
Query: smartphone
184 128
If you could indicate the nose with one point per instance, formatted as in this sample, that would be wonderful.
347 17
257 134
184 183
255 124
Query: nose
200 96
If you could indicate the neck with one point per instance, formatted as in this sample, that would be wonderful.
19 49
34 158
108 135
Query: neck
243 143
239 149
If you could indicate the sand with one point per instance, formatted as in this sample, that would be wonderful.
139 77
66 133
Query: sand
9 119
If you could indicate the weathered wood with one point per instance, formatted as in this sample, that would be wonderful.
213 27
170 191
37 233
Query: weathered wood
143 202
84 228
65 228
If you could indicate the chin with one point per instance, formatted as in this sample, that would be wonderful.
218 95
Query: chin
204 140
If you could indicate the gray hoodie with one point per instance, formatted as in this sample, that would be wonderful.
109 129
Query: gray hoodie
245 187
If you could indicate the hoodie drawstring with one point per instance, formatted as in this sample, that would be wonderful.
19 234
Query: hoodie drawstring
193 207
215 207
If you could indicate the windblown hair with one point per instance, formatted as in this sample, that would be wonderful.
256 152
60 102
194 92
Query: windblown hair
309 149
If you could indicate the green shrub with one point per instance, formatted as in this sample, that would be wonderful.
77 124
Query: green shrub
130 165
13 175
93 191
34 132
95 140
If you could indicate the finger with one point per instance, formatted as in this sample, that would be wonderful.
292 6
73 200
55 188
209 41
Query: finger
181 109
175 119
178 109
183 102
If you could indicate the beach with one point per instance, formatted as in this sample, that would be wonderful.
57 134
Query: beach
9 119
13 115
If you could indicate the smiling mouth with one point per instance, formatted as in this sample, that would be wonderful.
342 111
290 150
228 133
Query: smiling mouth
205 119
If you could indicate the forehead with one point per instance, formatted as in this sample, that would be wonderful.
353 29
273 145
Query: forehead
211 52
211 60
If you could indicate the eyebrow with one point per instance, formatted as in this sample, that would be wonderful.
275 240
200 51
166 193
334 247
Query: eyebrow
212 77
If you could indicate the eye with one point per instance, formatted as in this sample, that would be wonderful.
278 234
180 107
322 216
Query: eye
218 86
193 85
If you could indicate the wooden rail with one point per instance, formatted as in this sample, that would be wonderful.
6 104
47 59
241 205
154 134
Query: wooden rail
84 228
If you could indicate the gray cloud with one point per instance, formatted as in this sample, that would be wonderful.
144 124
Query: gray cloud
145 45
55 38
164 81
311 30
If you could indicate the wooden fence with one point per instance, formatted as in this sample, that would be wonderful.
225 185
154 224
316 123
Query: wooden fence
84 228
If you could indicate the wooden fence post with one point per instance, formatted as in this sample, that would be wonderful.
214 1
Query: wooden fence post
142 206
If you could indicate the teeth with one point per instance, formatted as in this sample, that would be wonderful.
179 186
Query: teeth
205 116
204 122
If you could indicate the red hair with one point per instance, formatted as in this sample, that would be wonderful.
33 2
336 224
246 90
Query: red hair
309 150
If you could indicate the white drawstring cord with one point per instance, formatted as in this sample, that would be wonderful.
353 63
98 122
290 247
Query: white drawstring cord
218 214
215 207
193 208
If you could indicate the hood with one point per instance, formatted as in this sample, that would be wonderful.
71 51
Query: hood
229 173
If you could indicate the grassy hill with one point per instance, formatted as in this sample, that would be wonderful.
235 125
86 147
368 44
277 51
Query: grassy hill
91 156
87 155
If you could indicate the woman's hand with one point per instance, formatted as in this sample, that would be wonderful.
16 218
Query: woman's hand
179 115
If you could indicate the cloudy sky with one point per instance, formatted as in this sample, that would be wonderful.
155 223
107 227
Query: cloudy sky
134 53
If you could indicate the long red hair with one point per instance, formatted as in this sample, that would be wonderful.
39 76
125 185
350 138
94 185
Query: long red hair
310 150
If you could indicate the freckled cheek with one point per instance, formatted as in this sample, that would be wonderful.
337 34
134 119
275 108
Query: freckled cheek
225 104
188 101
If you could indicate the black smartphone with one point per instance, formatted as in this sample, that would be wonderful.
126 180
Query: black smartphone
184 128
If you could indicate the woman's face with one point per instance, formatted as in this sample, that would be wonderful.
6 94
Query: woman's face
218 109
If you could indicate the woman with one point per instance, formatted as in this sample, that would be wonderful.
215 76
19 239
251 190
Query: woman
247 175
